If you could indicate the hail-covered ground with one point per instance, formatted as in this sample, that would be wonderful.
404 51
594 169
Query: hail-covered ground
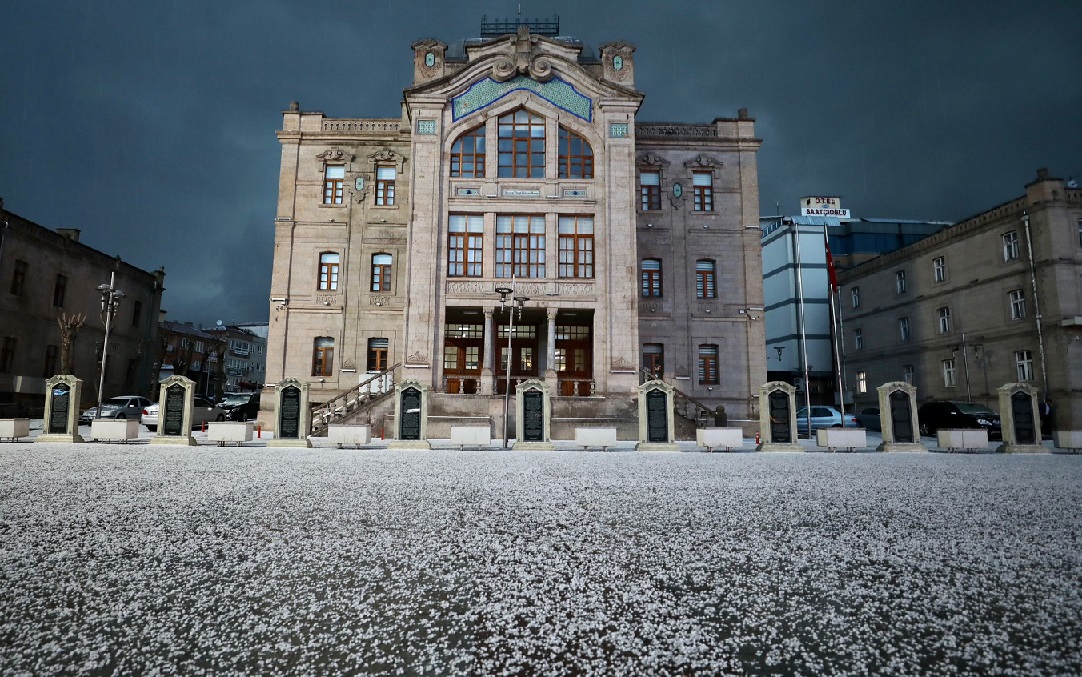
151 559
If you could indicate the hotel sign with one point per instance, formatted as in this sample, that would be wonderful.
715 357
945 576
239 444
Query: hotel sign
822 206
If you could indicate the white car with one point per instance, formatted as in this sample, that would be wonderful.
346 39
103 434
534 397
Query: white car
121 406
203 411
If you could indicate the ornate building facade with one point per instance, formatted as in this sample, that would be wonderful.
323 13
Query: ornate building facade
518 164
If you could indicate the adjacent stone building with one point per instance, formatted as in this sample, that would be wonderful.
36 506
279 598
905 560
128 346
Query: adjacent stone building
47 275
995 299
518 163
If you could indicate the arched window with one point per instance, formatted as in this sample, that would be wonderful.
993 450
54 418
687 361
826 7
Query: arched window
323 356
381 272
576 156
522 145
651 278
328 271
705 280
468 154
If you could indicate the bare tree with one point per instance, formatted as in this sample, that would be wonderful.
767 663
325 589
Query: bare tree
69 330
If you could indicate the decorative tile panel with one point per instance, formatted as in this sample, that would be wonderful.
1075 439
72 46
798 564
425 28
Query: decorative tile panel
426 127
618 130
557 92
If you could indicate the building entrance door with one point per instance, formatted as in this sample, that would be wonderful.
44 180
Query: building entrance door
574 359
523 356
463 356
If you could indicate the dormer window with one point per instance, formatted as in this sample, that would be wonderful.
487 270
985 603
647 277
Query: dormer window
576 156
522 145
468 155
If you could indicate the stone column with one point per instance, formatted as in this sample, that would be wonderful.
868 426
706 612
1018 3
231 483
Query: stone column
490 346
550 358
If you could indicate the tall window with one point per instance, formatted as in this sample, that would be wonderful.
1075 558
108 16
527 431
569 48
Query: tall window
703 183
52 356
1023 362
520 246
903 328
950 376
468 154
708 364
653 359
899 282
328 271
385 178
650 191
576 156
705 282
907 373
576 246
333 178
522 145
1010 245
381 272
377 354
1018 303
862 382
323 356
855 293
858 339
465 244
136 313
944 320
60 290
7 354
939 269
651 278
18 277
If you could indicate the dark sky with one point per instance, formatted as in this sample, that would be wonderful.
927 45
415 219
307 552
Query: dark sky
149 125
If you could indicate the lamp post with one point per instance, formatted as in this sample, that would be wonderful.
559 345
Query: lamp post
110 301
504 292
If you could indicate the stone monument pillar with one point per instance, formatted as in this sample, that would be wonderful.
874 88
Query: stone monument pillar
61 423
292 414
410 416
533 416
176 398
656 431
1020 419
898 417
777 417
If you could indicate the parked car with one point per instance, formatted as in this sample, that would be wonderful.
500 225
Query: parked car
241 406
954 414
121 406
203 411
869 418
823 417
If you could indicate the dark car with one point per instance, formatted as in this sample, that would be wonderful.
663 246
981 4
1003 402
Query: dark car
869 418
241 406
954 414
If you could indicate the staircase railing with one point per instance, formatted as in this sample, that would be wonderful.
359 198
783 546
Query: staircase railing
684 405
356 398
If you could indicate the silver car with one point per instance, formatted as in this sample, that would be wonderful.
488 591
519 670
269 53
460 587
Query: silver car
203 411
120 407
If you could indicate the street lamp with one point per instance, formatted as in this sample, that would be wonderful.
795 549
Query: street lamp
504 292
110 301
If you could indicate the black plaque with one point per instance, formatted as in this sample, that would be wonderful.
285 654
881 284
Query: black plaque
1022 410
289 413
657 416
533 416
58 417
410 426
780 431
172 410
901 417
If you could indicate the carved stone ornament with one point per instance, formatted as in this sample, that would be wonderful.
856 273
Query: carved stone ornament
386 155
617 60
348 364
621 364
703 162
523 59
652 160
334 155
682 372
418 359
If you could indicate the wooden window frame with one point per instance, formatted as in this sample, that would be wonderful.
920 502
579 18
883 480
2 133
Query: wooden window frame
703 194
323 356
509 135
18 277
381 272
466 247
576 248
706 280
575 165
474 156
385 187
652 284
520 253
333 187
708 364
649 194
328 271
60 290
653 361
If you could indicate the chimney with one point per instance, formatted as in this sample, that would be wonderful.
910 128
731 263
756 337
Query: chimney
69 233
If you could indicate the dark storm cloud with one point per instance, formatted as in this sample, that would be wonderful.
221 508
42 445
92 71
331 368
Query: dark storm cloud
150 126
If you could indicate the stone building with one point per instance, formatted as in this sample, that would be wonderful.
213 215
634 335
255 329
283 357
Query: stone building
46 275
995 299
518 163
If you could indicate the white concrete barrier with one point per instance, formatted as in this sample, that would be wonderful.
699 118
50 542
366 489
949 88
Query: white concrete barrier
725 438
472 435
229 431
14 428
962 439
595 437
847 438
349 435
114 429
1063 439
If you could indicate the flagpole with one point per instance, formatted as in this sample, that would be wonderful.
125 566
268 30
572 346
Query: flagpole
835 323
